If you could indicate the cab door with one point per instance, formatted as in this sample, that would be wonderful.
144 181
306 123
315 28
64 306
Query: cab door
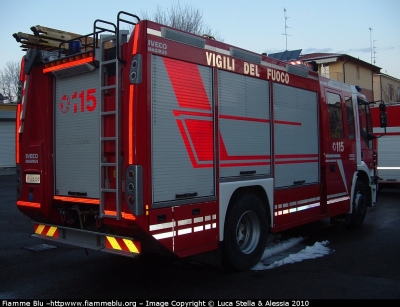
366 130
340 152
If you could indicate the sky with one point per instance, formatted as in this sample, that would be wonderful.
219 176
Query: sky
365 29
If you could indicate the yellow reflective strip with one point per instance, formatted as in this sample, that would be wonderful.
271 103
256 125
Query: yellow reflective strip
113 243
51 231
39 229
131 246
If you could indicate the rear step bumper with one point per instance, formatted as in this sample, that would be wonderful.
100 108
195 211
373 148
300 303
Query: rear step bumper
88 239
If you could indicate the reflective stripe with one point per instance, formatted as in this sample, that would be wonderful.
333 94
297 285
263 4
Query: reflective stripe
93 201
198 228
336 195
384 167
153 32
333 155
184 231
332 199
297 209
28 204
185 222
126 216
307 203
113 242
164 235
298 202
304 201
336 200
161 226
122 244
131 246
39 229
49 231
69 64
172 232
130 124
198 220
388 130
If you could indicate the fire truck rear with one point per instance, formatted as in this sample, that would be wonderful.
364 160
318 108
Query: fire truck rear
162 139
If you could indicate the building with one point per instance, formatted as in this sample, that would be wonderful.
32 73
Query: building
386 89
348 69
7 132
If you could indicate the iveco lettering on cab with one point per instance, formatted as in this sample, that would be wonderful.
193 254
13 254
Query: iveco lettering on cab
163 140
157 47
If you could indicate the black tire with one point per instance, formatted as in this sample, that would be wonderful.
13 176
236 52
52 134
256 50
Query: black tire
245 233
359 206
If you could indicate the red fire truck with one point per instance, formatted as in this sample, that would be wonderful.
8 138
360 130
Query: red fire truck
388 147
162 139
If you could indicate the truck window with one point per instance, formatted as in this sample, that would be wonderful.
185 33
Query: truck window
335 115
365 122
350 118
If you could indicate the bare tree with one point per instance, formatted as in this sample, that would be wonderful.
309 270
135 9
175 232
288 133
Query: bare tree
186 18
9 79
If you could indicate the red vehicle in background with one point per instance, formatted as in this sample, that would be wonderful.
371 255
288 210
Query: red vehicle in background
388 147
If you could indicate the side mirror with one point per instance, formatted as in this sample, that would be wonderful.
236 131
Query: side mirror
383 119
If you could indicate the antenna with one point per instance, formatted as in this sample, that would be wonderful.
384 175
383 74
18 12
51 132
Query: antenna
286 27
370 39
373 46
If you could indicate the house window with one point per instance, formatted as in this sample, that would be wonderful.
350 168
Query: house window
325 70
391 92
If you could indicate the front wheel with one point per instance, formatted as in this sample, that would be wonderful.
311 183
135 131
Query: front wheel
245 233
359 206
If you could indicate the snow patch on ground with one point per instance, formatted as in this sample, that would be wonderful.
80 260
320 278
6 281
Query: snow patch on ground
290 251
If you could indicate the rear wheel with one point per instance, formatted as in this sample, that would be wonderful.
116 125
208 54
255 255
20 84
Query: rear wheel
359 206
245 233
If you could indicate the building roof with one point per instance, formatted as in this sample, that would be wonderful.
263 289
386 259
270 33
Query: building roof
321 58
387 76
